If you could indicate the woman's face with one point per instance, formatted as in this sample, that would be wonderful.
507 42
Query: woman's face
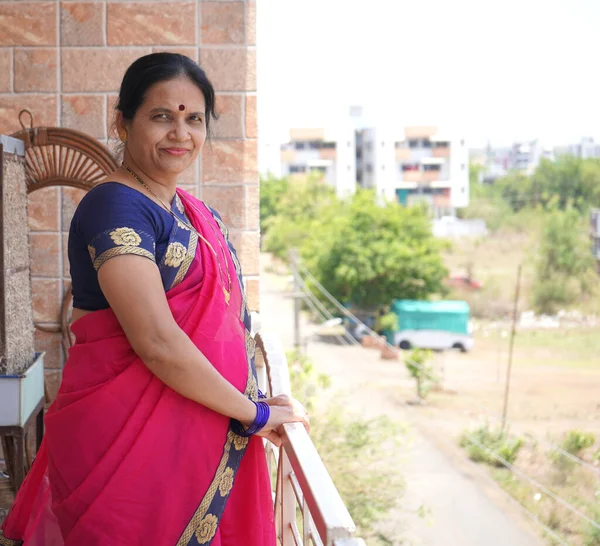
169 129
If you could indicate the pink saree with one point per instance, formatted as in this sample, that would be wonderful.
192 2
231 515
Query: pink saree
127 461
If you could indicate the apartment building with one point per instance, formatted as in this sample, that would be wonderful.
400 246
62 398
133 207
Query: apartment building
585 149
329 152
415 165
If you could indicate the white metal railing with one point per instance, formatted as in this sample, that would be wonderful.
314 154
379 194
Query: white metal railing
304 490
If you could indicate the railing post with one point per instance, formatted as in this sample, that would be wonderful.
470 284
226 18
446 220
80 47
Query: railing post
288 500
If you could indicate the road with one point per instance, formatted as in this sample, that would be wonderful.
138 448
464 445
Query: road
461 506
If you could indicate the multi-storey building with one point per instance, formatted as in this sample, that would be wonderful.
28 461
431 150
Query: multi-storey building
411 165
414 165
585 149
331 153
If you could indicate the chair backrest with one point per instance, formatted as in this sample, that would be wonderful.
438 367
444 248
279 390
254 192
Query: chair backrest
55 156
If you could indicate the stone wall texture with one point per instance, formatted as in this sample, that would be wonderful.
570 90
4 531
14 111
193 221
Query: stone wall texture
64 60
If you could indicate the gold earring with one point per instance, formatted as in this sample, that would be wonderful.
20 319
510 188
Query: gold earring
123 136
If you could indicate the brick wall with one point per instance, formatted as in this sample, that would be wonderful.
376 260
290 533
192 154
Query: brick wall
64 61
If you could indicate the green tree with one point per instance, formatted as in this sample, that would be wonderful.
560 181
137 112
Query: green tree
298 209
568 181
565 264
368 253
272 189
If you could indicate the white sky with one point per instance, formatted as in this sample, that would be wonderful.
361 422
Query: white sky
498 69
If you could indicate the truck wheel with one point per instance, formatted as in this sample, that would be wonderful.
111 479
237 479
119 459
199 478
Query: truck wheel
405 345
460 347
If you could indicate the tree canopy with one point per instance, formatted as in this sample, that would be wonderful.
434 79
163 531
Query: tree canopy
365 252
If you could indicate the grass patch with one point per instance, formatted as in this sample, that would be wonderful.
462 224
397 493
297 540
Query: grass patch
574 483
572 347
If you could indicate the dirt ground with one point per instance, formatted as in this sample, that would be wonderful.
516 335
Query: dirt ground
548 395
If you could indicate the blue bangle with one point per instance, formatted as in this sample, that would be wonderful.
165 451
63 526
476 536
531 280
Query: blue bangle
261 396
263 412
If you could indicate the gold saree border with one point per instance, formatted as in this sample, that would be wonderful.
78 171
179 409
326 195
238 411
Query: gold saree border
187 261
119 251
4 541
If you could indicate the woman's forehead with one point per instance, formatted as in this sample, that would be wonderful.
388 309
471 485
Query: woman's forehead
175 92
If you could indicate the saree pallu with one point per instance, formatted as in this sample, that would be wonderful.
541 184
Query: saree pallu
127 461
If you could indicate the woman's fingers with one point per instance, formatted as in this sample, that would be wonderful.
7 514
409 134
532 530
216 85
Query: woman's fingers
281 400
273 436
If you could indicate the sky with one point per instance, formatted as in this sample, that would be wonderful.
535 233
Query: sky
491 70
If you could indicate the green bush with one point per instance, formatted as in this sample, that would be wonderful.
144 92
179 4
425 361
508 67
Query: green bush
496 441
576 441
591 533
418 364
389 322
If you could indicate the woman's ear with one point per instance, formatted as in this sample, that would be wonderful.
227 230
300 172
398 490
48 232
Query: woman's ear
121 126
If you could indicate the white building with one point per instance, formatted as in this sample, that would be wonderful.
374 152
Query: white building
525 157
330 152
585 149
416 164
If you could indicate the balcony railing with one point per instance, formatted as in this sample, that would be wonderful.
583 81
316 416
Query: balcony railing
308 507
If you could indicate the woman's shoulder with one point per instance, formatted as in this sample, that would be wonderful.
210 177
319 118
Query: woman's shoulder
112 203
110 193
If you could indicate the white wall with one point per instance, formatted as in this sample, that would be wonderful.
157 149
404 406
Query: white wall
459 173
345 181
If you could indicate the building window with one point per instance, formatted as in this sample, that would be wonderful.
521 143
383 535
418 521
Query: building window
369 168
426 143
383 167
382 144
463 166
327 145
409 167
432 167
413 143
297 169
300 145
358 153
349 144
462 142
314 145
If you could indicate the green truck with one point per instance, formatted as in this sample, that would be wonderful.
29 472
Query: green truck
436 325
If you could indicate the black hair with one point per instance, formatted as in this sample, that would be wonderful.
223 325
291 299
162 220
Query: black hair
161 67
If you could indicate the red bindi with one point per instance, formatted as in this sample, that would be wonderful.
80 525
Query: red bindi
181 107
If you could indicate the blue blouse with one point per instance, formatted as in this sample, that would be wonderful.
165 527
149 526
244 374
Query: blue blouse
113 219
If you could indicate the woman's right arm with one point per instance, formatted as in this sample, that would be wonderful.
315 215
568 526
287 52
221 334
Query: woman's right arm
134 291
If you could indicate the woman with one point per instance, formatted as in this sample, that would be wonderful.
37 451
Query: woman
154 435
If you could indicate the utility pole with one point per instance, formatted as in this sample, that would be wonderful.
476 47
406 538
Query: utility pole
512 346
297 290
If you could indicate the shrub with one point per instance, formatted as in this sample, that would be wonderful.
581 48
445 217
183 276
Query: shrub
494 441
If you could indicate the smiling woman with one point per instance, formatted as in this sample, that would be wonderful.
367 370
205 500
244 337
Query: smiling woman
154 437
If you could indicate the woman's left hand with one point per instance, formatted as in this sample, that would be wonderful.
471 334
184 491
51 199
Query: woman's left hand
282 400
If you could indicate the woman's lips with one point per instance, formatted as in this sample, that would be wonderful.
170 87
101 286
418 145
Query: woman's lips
176 151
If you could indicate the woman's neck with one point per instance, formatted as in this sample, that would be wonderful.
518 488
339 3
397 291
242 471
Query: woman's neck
163 188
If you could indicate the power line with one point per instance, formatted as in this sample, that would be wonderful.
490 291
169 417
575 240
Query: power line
324 311
323 317
523 508
533 481
554 447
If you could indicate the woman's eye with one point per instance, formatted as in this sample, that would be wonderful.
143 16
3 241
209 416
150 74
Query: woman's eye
196 119
161 116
